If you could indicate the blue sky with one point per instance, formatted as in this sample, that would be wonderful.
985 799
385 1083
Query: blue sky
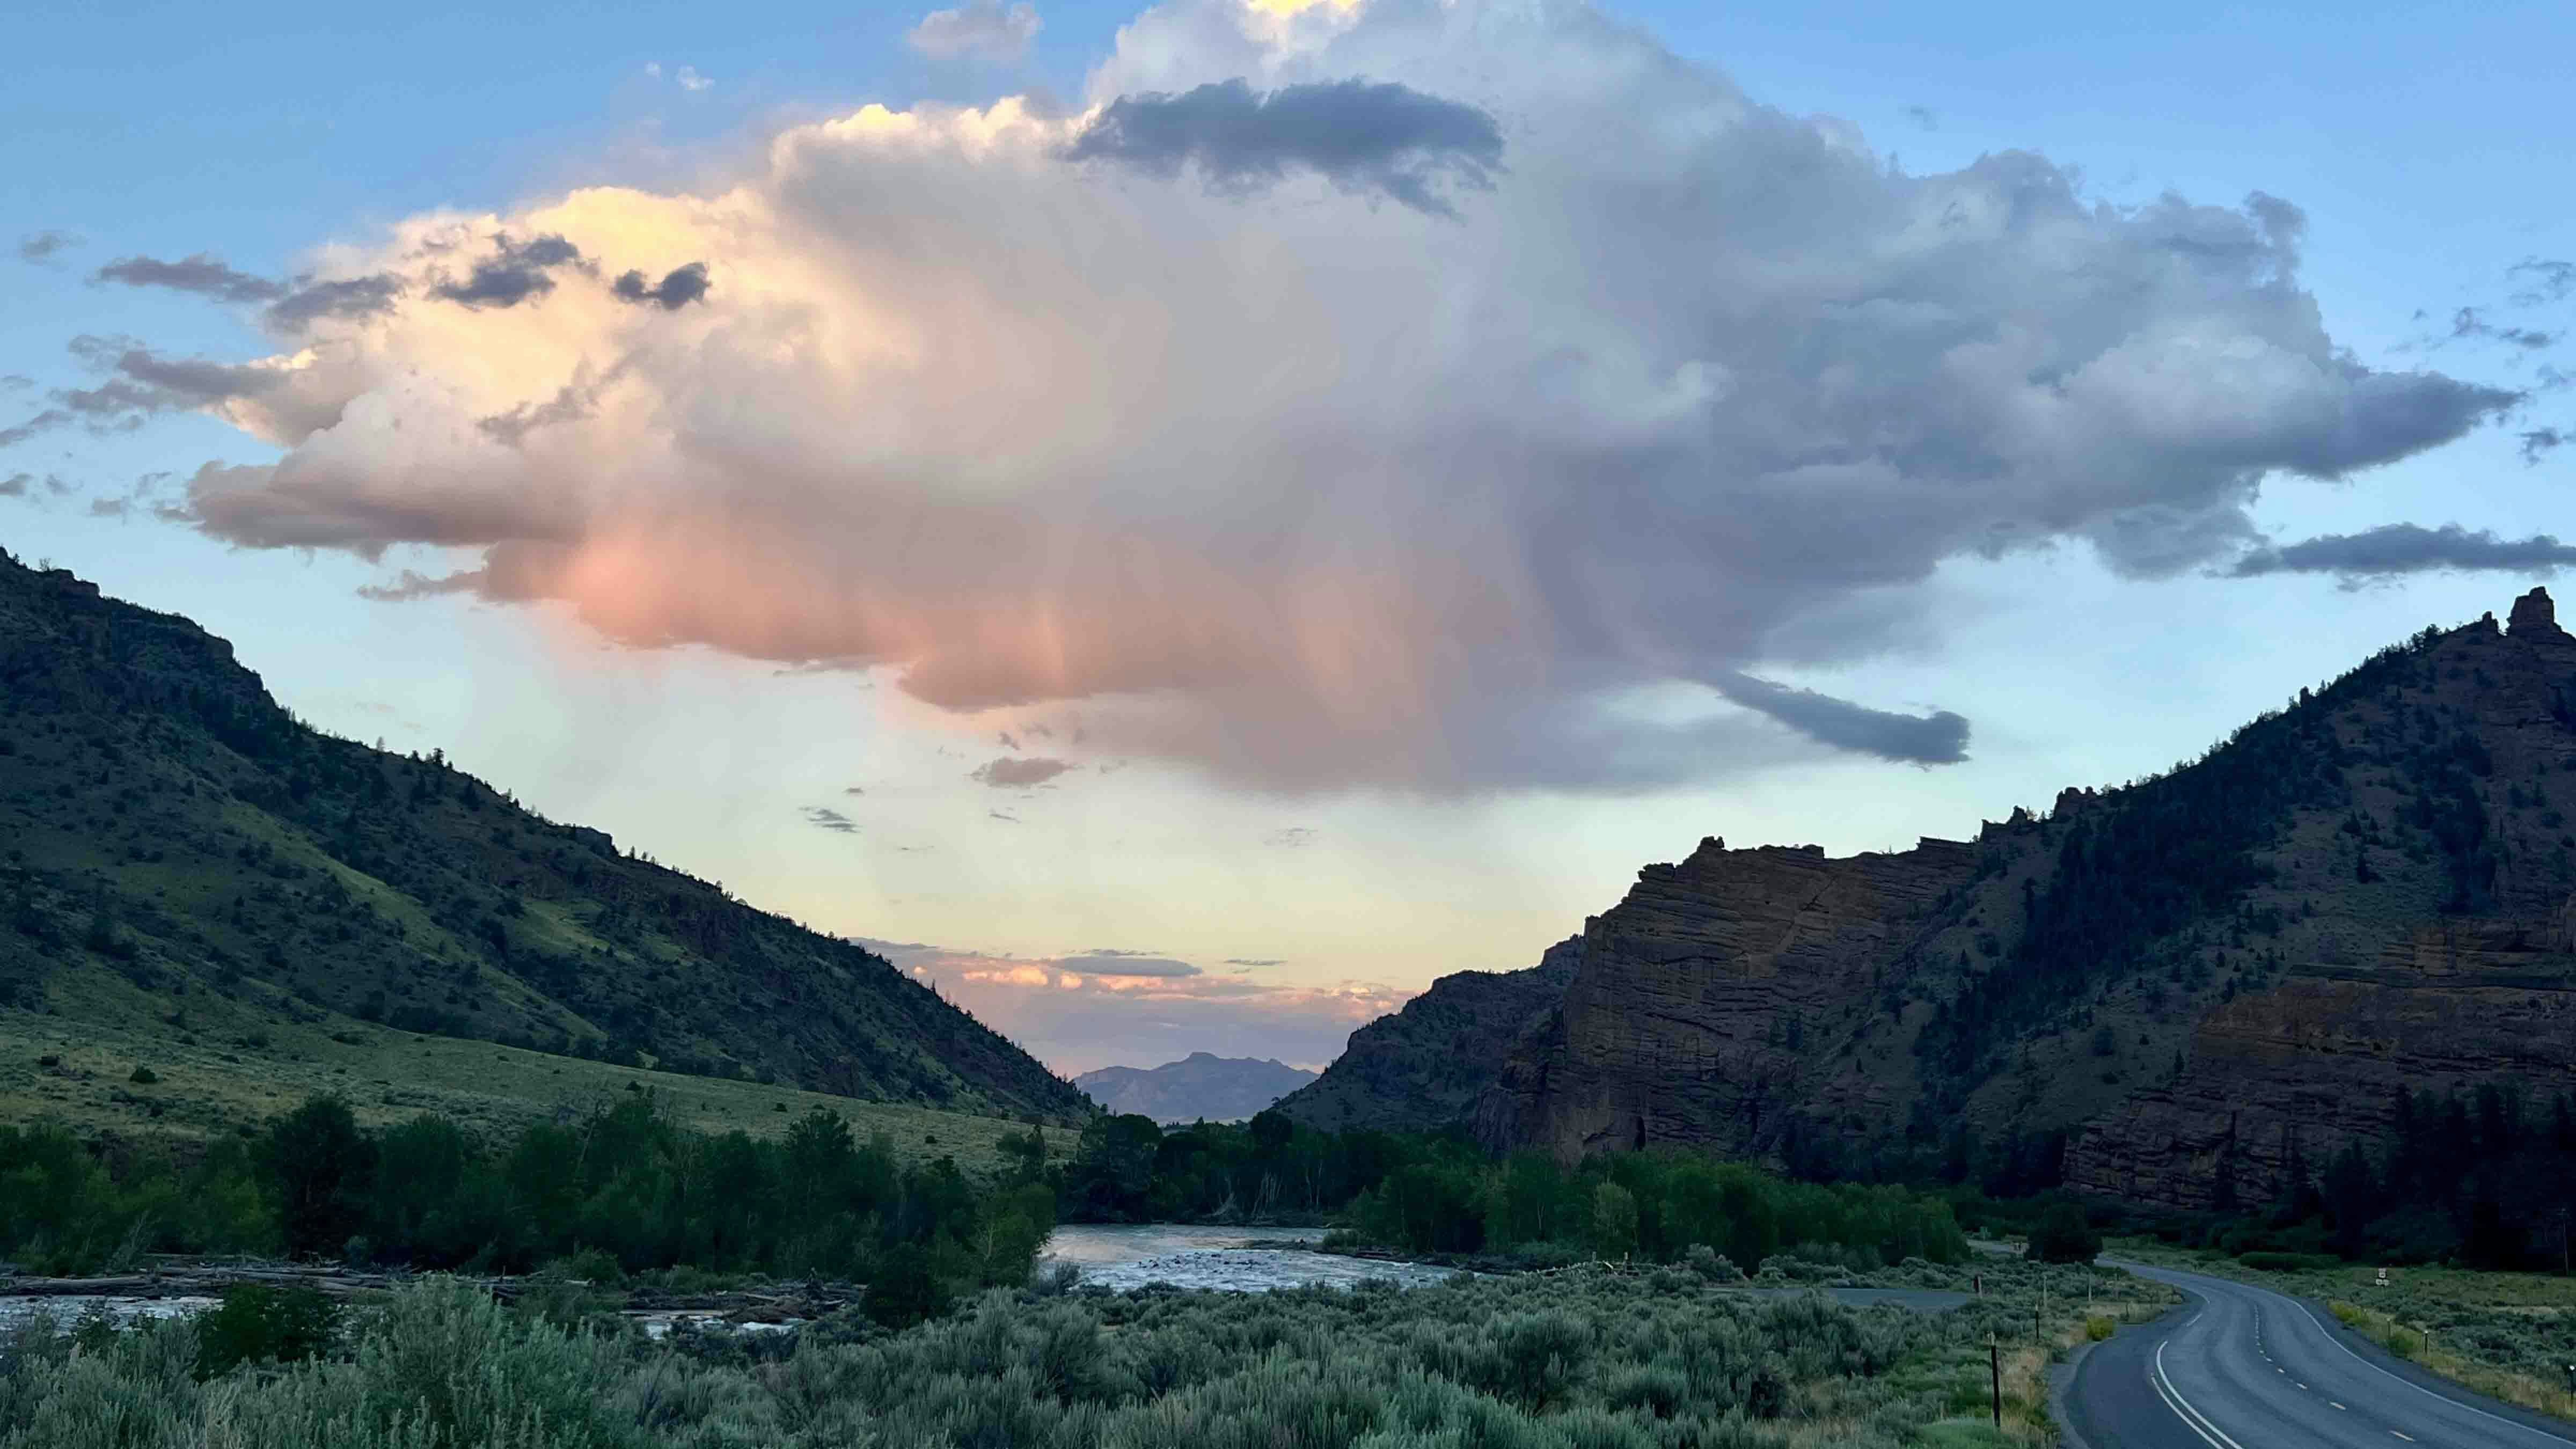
2424 146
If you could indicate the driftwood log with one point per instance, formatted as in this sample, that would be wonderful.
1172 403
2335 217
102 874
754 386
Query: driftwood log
771 1303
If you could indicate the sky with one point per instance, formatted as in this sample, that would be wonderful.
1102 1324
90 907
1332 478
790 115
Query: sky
1184 524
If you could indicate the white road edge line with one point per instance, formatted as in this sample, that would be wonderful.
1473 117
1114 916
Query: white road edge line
2419 1388
2192 1419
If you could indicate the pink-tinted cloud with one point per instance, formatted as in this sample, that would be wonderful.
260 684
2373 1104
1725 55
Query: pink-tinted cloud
1096 1009
1311 466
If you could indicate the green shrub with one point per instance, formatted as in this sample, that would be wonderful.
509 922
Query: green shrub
144 1077
260 1323
2064 1236
2270 1262
2097 1328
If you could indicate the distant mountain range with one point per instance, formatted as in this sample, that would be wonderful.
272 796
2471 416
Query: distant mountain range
175 847
1199 1088
2193 990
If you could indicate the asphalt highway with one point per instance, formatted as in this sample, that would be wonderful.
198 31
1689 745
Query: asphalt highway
2244 1368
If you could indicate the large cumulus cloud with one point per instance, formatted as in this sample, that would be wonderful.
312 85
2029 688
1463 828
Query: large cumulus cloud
1272 478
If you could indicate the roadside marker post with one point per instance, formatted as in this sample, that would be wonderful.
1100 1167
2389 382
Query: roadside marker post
1995 1362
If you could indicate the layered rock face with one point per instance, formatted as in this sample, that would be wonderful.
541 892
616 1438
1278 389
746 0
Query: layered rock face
2212 974
1424 1068
1689 1021
2392 1005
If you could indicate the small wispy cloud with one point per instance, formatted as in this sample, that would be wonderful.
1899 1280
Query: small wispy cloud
1006 773
824 817
980 30
1292 838
40 248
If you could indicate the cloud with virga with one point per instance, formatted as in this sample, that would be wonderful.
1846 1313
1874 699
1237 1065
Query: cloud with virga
1384 396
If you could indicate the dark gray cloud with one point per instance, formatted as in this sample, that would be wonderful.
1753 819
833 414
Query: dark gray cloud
852 790
143 384
2538 443
16 485
1939 738
345 299
1364 136
678 288
1923 117
980 30
44 246
146 383
515 272
2407 548
571 403
824 817
1256 961
43 422
2469 322
2544 279
202 275
2385 416
1125 963
1006 773
1005 816
412 585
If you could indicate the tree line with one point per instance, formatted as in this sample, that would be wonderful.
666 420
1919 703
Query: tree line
621 1189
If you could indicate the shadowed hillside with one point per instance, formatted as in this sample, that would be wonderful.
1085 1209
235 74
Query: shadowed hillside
2190 990
176 849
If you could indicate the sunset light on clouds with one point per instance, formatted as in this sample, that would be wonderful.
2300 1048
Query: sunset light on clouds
1504 442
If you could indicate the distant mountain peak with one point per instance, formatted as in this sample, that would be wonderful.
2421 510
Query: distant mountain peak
1200 1087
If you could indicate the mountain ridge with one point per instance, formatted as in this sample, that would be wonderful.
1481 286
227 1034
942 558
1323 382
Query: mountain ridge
176 833
1200 1087
2223 973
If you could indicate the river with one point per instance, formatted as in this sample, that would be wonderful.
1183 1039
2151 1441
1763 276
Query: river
1131 1255
1117 1257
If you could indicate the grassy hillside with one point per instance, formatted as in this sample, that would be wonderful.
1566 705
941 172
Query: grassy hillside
187 868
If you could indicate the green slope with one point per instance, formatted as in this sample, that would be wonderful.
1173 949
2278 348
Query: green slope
175 843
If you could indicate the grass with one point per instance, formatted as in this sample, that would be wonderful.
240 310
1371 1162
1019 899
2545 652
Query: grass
2507 1335
232 1069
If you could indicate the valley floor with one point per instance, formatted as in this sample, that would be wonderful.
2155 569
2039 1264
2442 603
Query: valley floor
1633 1360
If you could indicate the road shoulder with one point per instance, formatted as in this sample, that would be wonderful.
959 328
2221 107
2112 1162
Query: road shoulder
2132 1342
2368 1351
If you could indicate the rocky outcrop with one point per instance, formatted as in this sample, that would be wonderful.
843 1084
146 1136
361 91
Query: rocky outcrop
1424 1068
1690 1020
2209 976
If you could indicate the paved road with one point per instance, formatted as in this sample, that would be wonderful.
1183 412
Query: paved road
2245 1368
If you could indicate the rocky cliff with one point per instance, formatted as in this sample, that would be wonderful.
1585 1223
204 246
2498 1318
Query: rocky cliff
2205 976
1425 1068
